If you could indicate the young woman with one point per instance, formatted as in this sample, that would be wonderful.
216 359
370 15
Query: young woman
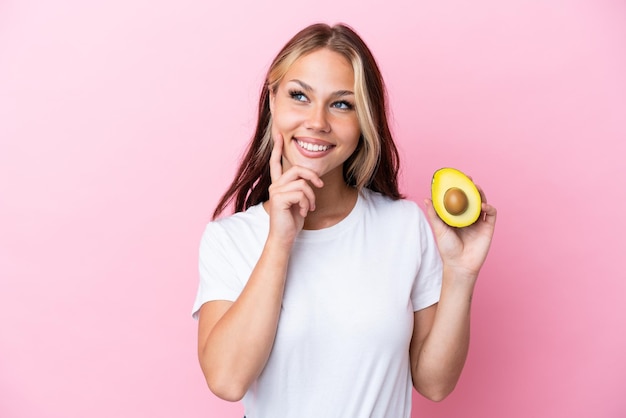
325 294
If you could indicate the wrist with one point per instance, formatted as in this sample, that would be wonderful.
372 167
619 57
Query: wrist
459 276
279 244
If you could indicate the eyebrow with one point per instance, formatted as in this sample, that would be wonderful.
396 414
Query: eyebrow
306 87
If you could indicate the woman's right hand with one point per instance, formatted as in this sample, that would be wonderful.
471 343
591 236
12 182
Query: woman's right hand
291 196
235 339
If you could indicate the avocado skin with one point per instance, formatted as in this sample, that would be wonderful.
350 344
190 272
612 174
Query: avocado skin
447 178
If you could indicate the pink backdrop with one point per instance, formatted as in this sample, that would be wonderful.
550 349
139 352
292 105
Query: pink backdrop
121 123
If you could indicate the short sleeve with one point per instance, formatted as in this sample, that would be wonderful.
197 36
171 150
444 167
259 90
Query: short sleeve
427 286
218 279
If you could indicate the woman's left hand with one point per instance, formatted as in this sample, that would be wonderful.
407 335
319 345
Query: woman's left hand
464 249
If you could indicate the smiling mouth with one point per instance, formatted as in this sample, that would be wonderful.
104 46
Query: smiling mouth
313 147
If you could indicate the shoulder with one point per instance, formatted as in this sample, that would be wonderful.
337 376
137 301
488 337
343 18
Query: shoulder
388 207
251 222
253 216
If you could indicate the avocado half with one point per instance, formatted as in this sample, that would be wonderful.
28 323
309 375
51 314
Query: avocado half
456 198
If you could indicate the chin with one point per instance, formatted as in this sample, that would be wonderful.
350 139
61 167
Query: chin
311 165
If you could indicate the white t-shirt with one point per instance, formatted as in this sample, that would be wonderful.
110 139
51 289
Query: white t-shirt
342 344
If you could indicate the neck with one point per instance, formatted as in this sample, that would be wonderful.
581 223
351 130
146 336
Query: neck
333 203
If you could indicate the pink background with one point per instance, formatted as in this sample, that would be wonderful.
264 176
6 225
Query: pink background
121 123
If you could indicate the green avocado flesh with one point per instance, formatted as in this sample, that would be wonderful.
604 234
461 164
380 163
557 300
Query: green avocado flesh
455 197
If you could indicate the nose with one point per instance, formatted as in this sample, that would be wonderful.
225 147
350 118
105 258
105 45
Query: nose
317 119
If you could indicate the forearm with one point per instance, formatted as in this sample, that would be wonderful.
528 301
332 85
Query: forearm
443 353
238 346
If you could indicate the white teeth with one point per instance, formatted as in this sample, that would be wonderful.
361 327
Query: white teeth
313 147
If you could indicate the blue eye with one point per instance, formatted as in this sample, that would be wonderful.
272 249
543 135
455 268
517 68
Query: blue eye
298 96
343 105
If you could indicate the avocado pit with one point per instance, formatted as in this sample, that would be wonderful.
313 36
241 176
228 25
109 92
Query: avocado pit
455 201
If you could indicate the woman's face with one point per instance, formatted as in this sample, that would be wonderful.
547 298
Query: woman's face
314 110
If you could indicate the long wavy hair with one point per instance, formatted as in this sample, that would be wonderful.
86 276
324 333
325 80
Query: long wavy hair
375 162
